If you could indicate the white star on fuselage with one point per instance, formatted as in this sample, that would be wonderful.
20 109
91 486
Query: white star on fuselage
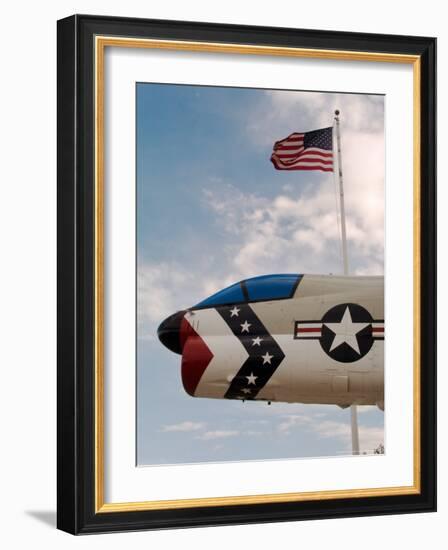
256 341
245 326
246 390
234 312
267 358
346 331
251 379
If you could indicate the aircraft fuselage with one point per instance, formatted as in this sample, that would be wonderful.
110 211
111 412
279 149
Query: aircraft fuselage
323 343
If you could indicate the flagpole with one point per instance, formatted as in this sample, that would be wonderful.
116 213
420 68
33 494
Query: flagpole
353 408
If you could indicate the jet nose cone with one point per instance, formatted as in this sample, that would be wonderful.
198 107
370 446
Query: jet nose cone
169 332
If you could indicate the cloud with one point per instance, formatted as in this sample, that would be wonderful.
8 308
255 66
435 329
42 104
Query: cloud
317 421
163 289
293 421
287 234
369 437
333 429
218 434
222 434
314 226
271 117
319 424
186 426
164 277
364 409
254 433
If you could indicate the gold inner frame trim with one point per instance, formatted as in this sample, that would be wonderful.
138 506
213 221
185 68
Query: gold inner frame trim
101 42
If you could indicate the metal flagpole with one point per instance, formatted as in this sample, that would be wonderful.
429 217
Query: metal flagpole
353 408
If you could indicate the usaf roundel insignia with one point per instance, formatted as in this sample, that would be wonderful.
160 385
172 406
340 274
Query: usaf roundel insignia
346 332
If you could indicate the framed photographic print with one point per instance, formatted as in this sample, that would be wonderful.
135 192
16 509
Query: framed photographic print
242 213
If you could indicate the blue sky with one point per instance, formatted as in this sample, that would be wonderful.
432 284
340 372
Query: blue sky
212 210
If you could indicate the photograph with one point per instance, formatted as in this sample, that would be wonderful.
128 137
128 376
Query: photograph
260 274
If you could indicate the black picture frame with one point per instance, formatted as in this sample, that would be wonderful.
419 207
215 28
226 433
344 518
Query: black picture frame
77 512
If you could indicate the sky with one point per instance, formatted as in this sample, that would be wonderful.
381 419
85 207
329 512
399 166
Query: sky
212 210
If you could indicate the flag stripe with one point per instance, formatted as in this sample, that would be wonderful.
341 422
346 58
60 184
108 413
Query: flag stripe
317 151
296 167
304 152
305 158
301 166
286 155
297 147
282 144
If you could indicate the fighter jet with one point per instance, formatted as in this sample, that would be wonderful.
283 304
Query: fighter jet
291 338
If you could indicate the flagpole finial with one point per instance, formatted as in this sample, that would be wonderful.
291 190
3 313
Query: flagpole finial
337 112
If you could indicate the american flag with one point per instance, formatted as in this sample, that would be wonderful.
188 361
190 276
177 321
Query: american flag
307 151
